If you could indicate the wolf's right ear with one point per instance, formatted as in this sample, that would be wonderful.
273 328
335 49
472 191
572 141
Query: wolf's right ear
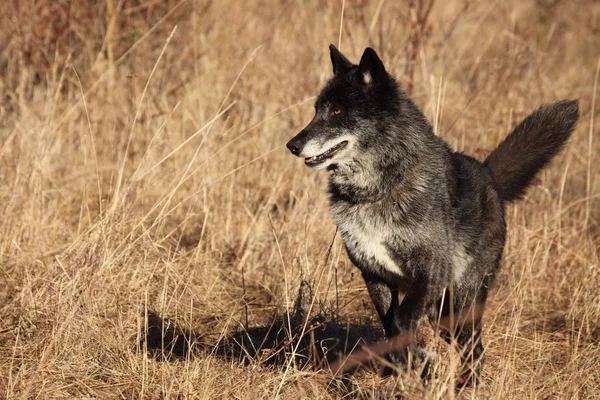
338 60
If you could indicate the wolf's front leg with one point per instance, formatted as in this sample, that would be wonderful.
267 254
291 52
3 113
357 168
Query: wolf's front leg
400 320
409 313
385 300
406 321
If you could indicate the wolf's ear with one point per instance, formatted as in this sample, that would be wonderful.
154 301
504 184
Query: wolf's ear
371 67
338 60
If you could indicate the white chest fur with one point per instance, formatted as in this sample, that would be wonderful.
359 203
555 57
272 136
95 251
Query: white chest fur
367 242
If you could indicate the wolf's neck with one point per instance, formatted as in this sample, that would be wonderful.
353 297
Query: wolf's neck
405 159
377 179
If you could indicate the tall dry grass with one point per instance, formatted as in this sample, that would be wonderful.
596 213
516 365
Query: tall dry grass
143 176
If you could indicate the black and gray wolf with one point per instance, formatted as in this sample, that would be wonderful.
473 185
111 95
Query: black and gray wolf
417 218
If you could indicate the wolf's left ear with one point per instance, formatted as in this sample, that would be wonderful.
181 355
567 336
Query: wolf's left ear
338 60
371 67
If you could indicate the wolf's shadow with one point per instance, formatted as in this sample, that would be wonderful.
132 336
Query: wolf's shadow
296 336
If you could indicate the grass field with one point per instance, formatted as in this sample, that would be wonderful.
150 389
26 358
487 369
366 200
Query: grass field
146 193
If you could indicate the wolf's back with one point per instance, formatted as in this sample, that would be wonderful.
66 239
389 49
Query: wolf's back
531 146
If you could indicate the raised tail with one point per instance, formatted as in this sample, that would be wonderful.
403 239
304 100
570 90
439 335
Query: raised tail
531 146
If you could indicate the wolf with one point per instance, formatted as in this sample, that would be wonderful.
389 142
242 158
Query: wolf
417 218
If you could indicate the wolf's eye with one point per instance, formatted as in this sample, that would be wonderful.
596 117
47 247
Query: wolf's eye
336 111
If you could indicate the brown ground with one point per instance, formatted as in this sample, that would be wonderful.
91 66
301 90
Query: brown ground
144 178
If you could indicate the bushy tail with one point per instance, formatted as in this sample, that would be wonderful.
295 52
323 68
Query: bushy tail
530 146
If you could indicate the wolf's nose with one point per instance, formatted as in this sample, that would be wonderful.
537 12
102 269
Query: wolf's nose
294 147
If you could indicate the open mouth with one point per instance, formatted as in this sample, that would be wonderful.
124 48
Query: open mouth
321 158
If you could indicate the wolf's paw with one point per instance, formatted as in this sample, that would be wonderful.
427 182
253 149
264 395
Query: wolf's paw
419 359
469 377
394 364
425 363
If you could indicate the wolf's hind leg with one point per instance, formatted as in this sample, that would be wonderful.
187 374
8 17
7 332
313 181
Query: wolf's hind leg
465 335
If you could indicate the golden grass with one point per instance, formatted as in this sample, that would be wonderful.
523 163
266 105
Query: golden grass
142 169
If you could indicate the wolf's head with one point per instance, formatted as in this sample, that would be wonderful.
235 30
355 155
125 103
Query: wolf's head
351 114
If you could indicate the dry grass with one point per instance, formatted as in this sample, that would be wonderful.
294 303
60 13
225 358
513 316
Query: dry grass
142 175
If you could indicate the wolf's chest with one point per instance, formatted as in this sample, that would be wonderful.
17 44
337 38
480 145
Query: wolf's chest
368 243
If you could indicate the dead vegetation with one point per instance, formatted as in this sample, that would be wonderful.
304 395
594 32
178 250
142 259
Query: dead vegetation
149 204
